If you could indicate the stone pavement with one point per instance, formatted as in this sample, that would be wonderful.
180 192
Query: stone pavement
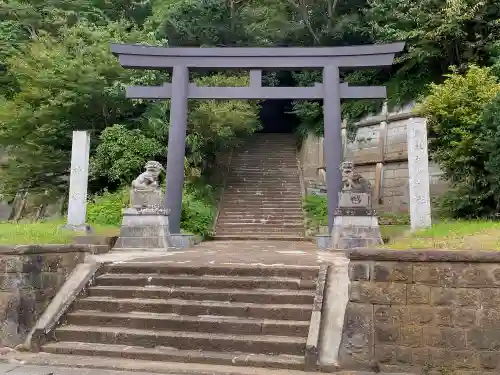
276 253
19 369
29 369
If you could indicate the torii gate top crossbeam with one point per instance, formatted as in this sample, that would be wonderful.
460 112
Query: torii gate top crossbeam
148 57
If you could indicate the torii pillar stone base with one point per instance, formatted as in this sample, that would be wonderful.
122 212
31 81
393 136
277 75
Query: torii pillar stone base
355 224
144 226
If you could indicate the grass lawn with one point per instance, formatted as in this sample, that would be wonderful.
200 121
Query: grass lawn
393 231
451 235
47 232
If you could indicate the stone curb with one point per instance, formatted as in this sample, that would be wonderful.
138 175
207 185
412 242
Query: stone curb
431 255
42 249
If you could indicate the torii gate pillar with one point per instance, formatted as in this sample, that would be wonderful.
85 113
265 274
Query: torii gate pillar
177 146
332 120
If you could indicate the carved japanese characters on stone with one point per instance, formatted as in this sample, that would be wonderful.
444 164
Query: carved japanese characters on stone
148 180
353 181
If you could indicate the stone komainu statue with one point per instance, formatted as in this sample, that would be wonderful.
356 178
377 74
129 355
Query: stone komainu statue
145 192
353 181
148 180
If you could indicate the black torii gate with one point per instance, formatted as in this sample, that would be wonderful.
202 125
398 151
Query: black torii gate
181 60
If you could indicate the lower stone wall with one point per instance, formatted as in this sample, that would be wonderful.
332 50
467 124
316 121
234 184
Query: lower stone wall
30 276
430 312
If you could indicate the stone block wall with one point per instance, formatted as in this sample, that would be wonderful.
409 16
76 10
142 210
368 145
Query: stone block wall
30 277
434 310
380 153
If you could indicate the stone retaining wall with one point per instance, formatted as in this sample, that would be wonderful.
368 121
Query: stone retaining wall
30 276
380 154
410 310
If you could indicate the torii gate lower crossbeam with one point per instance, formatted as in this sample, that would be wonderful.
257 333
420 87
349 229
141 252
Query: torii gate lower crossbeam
181 60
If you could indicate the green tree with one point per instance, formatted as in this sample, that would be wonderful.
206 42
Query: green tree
121 154
438 34
490 120
67 82
457 136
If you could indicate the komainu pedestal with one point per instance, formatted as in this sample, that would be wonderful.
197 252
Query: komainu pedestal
355 224
145 223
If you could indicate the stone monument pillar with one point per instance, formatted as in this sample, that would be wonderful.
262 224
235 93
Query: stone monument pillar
78 181
355 222
145 222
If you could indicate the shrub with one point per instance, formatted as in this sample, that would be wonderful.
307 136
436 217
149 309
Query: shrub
197 211
491 122
197 215
316 208
106 209
457 136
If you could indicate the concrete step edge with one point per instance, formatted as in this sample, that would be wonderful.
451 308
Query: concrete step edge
194 335
188 318
221 291
175 355
197 303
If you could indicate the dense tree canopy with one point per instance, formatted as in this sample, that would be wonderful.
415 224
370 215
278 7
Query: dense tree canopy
57 73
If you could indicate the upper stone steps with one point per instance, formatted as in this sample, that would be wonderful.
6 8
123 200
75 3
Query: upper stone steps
236 220
263 175
260 215
262 200
243 188
264 231
269 236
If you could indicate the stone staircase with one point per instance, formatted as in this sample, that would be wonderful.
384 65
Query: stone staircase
263 196
225 315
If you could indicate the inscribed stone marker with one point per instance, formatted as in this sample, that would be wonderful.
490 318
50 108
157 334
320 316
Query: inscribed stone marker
418 169
77 203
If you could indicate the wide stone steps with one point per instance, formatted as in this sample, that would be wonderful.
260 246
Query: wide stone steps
207 281
171 322
214 314
267 296
164 354
240 271
183 340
